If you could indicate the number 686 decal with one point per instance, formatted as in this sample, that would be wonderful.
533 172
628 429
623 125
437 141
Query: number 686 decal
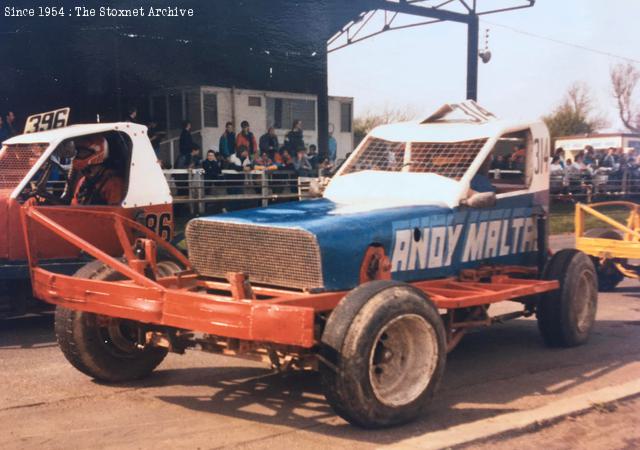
47 121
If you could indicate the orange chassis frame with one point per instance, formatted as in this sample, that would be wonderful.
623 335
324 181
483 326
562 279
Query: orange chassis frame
233 308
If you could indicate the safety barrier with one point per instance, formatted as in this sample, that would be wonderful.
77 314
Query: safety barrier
189 186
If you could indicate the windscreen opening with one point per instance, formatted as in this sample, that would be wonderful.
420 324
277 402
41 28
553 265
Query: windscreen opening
15 162
448 159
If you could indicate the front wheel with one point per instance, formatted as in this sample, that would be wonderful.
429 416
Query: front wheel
106 348
566 315
384 354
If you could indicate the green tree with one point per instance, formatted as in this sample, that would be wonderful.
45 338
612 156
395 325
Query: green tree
575 114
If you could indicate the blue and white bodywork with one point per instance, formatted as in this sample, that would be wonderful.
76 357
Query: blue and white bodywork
408 189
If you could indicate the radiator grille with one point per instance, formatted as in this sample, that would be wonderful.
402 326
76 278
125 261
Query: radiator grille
273 256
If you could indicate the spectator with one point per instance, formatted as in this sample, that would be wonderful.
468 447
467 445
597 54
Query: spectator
211 166
9 124
191 160
263 162
500 162
610 159
4 134
313 156
302 164
227 144
333 148
132 114
560 154
621 158
556 165
240 160
154 136
246 139
269 142
195 158
517 158
212 171
589 156
578 165
186 140
326 168
284 160
294 139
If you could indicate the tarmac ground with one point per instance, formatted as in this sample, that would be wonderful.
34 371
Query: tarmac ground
200 400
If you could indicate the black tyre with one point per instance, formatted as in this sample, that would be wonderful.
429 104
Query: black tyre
608 274
384 352
102 347
566 315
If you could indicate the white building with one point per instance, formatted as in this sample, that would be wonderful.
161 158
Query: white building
209 108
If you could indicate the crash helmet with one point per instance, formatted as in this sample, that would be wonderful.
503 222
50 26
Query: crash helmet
90 151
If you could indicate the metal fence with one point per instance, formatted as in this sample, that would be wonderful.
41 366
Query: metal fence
189 186
589 186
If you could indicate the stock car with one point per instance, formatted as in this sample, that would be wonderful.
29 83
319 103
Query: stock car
29 164
372 284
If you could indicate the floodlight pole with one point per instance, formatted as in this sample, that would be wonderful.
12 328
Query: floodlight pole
473 28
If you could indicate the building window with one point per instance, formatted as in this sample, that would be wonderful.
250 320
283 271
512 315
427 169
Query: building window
345 117
255 101
210 102
281 112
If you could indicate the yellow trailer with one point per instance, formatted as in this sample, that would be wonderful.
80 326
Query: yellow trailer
613 246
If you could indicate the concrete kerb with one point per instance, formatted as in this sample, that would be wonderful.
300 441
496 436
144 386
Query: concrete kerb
520 421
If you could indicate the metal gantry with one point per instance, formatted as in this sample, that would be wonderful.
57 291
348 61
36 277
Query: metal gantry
389 15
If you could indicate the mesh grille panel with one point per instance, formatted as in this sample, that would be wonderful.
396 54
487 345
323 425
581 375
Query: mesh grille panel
15 161
274 256
451 159
378 154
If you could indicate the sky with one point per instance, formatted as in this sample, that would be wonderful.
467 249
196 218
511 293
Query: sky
421 68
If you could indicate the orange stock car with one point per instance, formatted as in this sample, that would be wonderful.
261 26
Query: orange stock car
37 165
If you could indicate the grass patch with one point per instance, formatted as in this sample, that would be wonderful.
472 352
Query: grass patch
562 215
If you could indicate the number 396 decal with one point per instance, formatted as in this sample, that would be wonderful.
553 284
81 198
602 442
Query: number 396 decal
47 121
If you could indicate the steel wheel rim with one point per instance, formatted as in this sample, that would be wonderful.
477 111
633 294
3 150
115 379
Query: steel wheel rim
403 360
583 304
118 339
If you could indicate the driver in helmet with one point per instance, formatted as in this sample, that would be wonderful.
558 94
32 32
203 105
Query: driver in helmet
97 184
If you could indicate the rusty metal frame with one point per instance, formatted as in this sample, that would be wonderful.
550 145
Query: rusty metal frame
231 308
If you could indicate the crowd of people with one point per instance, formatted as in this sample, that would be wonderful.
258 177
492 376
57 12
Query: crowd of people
242 152
594 168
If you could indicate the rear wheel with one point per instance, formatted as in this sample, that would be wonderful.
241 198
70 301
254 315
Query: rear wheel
608 274
106 348
384 354
566 315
